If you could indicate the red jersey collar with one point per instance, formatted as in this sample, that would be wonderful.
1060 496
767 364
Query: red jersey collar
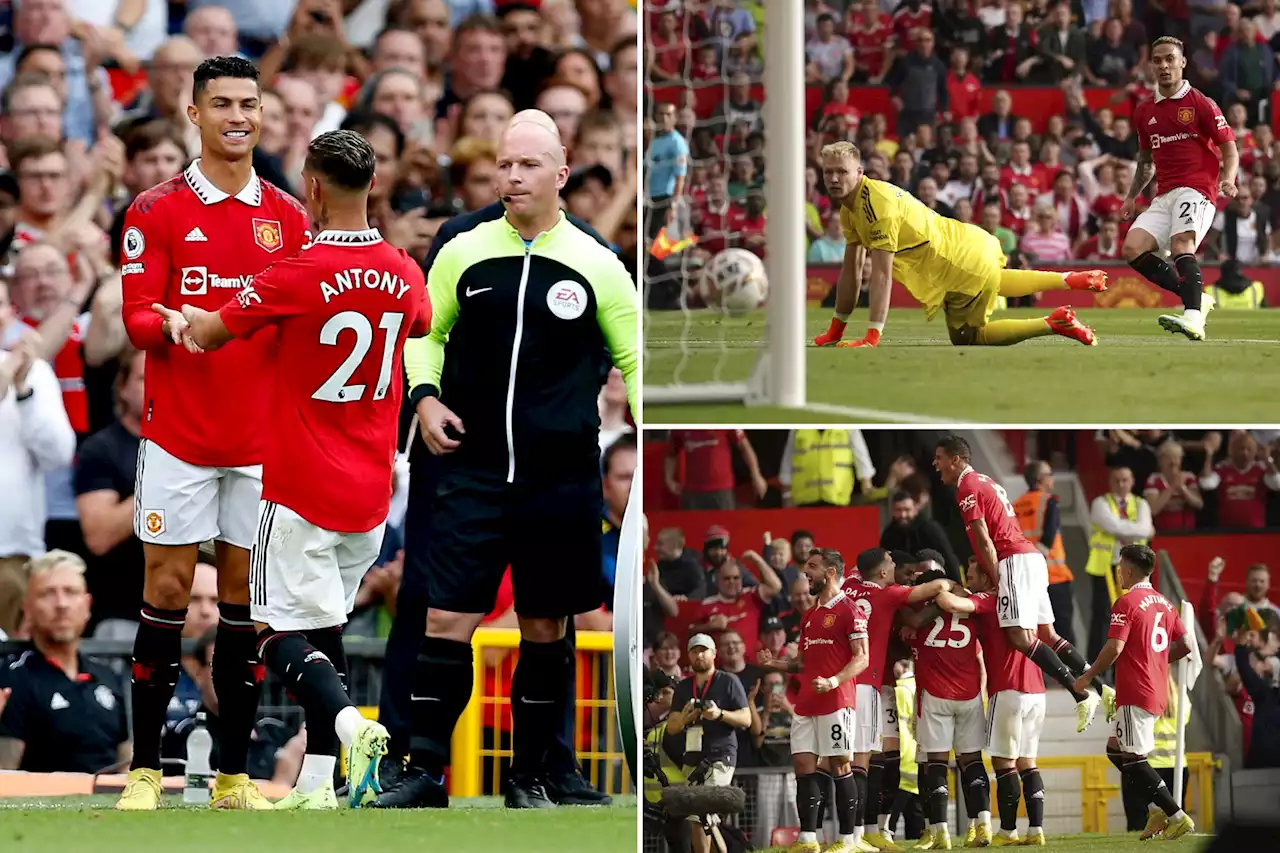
1182 91
839 596
367 237
209 194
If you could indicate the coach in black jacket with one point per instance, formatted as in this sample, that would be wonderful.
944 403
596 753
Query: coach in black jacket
1264 745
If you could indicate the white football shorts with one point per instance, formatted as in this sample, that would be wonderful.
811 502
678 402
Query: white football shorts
866 719
1023 599
946 724
177 503
825 736
888 712
1180 209
302 576
1014 723
1135 730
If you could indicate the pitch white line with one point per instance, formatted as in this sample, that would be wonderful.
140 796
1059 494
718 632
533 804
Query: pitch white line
884 415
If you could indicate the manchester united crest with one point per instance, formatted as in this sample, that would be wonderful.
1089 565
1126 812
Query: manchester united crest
1186 114
828 620
266 233
154 521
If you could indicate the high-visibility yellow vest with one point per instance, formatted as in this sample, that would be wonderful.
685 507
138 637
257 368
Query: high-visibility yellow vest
652 787
1102 545
1166 730
1030 509
822 467
1251 297
905 693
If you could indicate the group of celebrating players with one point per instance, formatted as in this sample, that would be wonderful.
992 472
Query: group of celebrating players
959 267
846 725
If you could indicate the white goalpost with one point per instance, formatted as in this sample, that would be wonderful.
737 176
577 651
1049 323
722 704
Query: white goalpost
779 374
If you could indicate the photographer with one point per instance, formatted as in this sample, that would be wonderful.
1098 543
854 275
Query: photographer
711 707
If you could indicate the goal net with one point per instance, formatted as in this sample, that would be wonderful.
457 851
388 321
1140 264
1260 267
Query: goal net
696 62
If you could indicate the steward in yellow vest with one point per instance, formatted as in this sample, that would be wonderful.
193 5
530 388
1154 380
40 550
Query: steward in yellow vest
1032 509
1253 296
822 467
1118 518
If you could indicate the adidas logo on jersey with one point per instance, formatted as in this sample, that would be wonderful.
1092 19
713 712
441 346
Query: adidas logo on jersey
195 235
1153 120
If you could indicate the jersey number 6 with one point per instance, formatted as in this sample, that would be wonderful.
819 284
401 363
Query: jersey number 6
335 389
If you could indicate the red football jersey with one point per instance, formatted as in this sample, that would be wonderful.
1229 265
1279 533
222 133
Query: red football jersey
1176 515
1242 496
1183 132
1147 623
343 307
827 633
877 605
982 497
743 616
906 25
871 39
68 366
708 460
946 657
1007 668
187 242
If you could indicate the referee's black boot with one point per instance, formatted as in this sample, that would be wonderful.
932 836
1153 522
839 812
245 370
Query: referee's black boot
414 790
571 788
390 768
528 792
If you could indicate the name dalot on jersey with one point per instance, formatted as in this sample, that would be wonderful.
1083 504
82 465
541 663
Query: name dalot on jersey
197 280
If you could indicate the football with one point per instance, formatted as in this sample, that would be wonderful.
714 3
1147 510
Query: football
734 282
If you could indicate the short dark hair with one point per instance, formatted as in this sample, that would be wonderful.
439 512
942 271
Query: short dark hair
344 157
954 445
1031 473
870 560
797 535
901 495
214 67
903 558
150 135
928 554
27 50
365 122
930 576
477 23
623 442
1140 557
831 559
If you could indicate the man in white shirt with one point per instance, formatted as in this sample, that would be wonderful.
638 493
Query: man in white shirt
1128 527
35 437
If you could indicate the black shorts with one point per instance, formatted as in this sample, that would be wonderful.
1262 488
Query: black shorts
548 533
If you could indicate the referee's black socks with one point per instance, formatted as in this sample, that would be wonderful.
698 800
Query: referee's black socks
237 679
442 679
538 703
1158 271
157 652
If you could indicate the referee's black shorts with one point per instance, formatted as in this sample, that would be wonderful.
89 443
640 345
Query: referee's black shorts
548 533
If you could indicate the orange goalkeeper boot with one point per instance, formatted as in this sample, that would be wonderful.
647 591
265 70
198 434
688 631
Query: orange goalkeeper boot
1086 280
1063 321
832 335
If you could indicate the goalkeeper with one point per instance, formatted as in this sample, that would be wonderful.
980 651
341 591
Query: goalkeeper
943 263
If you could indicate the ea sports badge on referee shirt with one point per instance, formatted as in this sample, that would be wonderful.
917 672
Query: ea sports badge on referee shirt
266 233
567 299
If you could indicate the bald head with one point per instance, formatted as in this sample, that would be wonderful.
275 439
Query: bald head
535 133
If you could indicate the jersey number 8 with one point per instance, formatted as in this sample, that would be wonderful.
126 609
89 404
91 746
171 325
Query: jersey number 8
335 389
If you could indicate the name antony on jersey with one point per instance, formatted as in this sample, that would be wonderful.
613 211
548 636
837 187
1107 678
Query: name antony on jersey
370 279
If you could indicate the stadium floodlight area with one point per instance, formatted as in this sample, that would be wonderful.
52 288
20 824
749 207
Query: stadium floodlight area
778 376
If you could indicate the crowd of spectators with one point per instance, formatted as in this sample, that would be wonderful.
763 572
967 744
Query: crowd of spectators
1051 192
93 111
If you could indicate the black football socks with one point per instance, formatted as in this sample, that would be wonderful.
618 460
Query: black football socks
1047 659
442 680
1192 281
1158 271
237 679
1075 661
538 700
157 652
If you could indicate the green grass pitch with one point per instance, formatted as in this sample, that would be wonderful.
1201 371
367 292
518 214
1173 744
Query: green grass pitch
90 825
1137 374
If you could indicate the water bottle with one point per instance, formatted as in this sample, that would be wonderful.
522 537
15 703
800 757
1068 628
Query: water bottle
199 746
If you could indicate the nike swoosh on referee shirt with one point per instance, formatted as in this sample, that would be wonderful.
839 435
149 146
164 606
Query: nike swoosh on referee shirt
471 292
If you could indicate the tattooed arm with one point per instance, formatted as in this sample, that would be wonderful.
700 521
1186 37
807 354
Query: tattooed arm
1142 175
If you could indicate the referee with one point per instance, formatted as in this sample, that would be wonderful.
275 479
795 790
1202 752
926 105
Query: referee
525 307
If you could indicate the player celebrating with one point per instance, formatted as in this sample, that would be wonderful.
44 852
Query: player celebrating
950 716
833 652
1019 571
194 239
1177 131
1146 636
943 263
877 599
1015 714
327 473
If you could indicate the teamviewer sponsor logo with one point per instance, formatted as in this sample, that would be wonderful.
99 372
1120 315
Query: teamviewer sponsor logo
198 280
